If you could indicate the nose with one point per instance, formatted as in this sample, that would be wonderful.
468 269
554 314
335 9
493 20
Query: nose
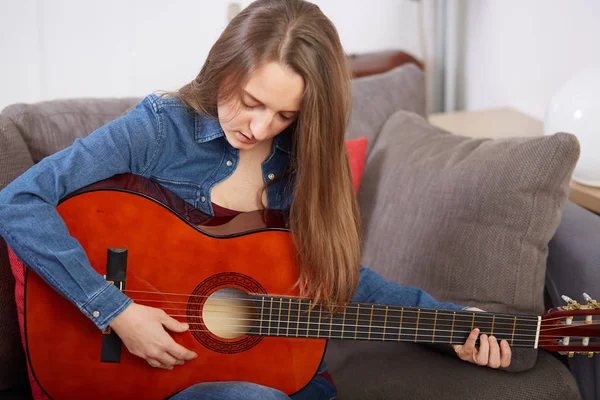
260 125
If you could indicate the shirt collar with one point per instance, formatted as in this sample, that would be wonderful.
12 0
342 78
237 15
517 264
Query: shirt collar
208 128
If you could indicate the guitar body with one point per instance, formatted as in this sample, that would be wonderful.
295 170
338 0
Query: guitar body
174 265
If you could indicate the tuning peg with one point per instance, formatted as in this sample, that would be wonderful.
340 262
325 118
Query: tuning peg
571 304
591 302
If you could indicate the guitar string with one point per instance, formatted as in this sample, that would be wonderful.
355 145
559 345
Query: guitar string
217 308
526 318
390 315
275 296
527 343
459 313
406 325
349 334
236 299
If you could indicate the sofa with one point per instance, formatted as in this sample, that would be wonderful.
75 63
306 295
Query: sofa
415 177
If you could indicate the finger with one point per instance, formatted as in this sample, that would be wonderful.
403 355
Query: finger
173 325
180 352
506 354
481 356
166 359
157 364
466 351
494 358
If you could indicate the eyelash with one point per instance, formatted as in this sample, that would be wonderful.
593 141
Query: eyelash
283 117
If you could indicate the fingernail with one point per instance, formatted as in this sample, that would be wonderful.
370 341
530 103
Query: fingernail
493 338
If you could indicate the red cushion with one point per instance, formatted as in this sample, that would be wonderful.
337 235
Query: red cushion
357 153
18 269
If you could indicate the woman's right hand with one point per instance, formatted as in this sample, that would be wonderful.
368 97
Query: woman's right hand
142 330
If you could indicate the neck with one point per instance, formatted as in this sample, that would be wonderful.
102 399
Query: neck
293 317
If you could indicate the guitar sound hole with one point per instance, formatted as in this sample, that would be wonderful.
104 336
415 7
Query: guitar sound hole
229 313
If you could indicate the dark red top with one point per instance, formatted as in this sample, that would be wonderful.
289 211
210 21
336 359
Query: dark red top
219 211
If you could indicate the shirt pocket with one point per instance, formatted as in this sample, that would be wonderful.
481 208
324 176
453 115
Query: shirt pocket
190 192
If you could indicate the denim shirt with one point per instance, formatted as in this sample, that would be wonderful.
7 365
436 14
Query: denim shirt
162 140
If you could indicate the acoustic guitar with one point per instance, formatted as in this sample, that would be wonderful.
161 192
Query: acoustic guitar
232 280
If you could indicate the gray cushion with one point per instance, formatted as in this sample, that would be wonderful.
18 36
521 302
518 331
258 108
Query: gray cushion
367 370
375 98
468 220
50 126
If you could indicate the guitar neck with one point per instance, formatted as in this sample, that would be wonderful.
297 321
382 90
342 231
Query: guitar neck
294 317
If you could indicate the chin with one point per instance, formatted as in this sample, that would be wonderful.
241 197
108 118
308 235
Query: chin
236 144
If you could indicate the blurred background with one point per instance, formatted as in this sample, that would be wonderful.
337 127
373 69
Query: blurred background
478 53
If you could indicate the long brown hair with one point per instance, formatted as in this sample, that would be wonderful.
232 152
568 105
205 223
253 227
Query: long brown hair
324 216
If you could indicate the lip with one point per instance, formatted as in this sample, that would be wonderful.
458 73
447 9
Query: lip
245 138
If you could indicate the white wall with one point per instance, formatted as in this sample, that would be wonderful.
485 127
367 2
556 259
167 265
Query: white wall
518 52
82 48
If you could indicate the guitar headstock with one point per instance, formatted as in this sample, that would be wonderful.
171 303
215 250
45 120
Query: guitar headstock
572 329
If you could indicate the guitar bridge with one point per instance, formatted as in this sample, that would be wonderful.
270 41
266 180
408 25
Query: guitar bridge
116 268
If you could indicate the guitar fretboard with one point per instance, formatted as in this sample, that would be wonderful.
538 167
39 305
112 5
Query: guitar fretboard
293 317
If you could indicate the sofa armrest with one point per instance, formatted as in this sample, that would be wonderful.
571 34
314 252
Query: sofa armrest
574 256
574 268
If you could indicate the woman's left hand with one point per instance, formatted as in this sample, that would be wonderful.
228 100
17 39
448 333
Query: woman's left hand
489 352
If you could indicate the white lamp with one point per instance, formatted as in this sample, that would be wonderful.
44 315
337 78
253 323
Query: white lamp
575 108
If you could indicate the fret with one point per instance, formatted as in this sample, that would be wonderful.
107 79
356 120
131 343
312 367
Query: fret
308 319
385 323
279 316
343 323
262 309
287 331
319 325
370 323
377 326
512 337
452 329
493 322
483 322
400 325
330 323
464 325
270 317
356 324
434 326
417 324
336 325
299 310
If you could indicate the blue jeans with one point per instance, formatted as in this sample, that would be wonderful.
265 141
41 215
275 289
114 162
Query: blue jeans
318 389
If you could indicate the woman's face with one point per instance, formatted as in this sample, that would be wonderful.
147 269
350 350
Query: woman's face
269 103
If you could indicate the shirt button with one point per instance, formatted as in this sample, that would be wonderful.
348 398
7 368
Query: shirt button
271 176
229 163
203 199
96 314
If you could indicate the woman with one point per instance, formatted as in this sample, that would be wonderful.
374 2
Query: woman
262 126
